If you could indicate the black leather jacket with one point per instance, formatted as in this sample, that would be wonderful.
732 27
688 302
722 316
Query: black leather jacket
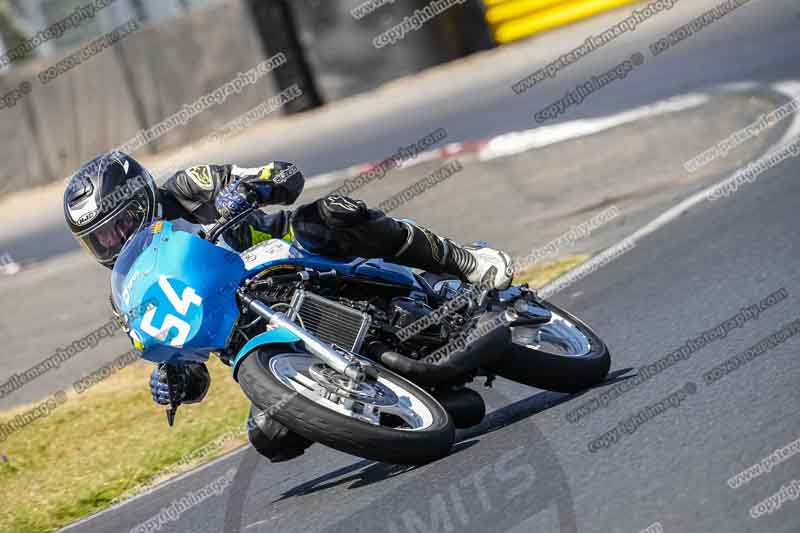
190 194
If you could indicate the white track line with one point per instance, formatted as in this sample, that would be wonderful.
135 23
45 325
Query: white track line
155 488
522 141
790 89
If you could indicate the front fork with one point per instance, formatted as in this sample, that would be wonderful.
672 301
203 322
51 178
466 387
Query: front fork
340 361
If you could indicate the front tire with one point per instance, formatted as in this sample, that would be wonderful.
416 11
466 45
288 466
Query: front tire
278 379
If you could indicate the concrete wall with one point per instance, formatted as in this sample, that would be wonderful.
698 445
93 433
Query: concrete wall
340 51
132 85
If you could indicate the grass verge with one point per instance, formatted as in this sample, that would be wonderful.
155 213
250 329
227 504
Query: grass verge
104 443
111 441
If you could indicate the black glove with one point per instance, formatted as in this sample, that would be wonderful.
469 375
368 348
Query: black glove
241 194
189 385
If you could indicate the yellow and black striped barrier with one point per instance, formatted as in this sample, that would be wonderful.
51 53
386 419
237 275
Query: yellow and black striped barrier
511 20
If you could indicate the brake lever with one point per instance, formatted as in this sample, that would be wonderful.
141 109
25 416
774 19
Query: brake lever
216 231
173 406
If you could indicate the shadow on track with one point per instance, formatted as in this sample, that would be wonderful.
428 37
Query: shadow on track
364 472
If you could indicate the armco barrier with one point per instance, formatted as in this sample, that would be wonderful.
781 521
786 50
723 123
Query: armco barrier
355 65
133 85
512 20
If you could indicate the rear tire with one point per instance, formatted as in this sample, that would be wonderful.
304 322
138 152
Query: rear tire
557 372
319 423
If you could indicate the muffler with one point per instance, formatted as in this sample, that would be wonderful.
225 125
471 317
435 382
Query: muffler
455 364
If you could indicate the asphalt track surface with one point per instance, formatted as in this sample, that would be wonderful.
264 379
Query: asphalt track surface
473 99
527 468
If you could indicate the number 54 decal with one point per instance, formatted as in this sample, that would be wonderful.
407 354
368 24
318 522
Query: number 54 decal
181 305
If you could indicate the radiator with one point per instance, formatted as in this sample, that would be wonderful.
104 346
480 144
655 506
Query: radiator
330 321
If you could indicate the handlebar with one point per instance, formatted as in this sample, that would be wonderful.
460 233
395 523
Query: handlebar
222 225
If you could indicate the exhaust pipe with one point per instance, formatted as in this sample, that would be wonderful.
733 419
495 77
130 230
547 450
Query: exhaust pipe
453 366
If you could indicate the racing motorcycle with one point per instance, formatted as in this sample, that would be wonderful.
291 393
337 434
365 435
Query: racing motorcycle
361 355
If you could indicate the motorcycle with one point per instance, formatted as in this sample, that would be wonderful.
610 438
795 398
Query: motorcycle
361 355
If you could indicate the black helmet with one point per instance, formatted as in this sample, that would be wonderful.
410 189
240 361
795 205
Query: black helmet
108 200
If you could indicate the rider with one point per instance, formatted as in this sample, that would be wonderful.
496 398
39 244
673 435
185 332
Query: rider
111 197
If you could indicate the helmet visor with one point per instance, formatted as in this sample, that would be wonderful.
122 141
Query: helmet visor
106 242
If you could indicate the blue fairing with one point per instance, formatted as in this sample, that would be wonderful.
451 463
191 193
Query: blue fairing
178 291
185 288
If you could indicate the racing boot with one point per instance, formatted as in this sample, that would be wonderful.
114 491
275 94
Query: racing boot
479 265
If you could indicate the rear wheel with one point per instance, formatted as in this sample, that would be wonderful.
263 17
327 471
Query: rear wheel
388 419
562 354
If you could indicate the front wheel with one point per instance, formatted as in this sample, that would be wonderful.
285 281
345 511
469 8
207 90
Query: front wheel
562 354
388 419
